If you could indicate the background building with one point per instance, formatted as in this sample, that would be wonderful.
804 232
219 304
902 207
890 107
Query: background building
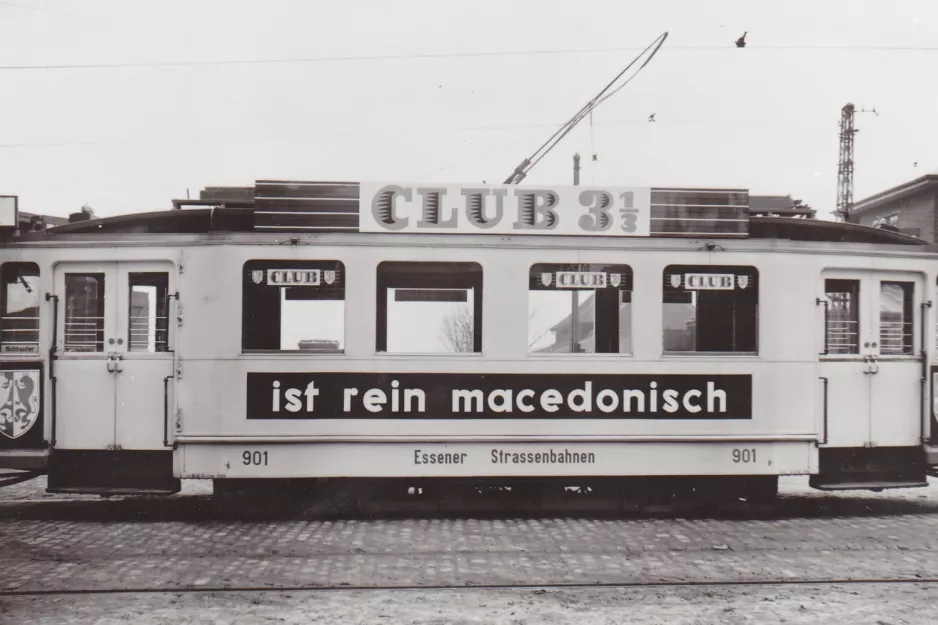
911 207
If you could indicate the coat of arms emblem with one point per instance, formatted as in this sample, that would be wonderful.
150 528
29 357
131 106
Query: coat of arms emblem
328 276
257 276
742 281
675 281
19 401
545 279
615 280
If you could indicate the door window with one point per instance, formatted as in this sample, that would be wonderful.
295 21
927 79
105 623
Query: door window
84 312
842 326
147 320
895 318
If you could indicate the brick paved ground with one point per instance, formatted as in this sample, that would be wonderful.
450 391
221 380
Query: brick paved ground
90 544
759 605
85 543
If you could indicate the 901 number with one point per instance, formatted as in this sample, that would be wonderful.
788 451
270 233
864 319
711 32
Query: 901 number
255 458
745 456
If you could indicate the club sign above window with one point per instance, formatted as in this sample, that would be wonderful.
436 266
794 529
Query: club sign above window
293 277
710 281
575 276
580 279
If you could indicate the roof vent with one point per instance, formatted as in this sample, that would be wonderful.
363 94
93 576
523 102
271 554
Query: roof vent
84 214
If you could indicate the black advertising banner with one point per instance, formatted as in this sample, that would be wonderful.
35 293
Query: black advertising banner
21 389
497 396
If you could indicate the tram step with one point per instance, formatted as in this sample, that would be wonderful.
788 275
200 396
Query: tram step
103 472
874 468
115 492
871 485
931 456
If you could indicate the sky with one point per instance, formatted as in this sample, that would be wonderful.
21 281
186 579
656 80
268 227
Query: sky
225 92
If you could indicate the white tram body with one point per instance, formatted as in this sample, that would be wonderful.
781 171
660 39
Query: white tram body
700 341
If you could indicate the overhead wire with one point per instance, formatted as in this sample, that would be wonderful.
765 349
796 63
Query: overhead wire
445 55
371 132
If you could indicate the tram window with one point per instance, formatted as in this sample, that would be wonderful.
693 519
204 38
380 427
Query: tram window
895 318
429 308
293 306
579 308
84 312
19 308
148 326
710 309
843 316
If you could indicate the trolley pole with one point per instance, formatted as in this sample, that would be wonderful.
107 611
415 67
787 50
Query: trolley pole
574 294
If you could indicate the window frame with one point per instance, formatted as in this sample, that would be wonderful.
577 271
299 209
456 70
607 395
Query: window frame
908 308
249 304
470 275
627 285
158 280
857 314
33 270
101 330
754 283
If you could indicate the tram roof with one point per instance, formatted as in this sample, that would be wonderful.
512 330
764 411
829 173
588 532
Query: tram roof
208 220
289 207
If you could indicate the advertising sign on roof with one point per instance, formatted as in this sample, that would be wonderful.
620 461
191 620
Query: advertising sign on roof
505 209
399 207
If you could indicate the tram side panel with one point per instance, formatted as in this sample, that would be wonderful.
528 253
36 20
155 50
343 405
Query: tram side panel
229 435
294 417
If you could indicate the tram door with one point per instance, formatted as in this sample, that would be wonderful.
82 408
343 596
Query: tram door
871 358
114 350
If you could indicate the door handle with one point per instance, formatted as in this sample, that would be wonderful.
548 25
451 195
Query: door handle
874 365
113 363
866 366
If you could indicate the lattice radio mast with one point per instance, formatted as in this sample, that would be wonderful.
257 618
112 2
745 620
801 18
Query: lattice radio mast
845 166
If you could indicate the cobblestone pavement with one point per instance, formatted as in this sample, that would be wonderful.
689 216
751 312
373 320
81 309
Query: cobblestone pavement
81 543
871 604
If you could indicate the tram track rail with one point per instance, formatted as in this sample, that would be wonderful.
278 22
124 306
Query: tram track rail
724 583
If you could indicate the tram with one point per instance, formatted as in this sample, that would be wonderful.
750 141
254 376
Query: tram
326 330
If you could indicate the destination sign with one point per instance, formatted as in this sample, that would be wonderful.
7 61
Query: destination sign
19 348
505 209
